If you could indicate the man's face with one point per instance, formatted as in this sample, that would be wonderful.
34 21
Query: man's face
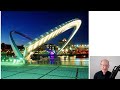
104 66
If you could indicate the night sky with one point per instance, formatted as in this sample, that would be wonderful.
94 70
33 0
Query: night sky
36 23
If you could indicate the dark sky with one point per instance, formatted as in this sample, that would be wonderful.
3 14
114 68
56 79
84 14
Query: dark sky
36 23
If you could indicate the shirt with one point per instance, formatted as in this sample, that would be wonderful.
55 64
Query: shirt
99 75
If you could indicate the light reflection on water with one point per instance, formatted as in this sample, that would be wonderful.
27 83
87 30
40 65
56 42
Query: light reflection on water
64 60
72 60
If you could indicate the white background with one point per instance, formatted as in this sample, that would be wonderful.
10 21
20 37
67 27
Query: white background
104 33
104 37
0 41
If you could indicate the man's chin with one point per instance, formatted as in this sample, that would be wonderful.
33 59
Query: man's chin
104 71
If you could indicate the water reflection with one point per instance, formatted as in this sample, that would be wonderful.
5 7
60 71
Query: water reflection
72 60
52 59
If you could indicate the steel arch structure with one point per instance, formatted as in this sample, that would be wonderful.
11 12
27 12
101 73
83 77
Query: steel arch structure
14 46
30 46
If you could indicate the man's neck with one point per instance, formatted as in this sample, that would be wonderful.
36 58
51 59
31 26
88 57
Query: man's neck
104 72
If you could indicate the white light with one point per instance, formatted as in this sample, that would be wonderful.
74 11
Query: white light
40 41
47 33
36 44
31 53
56 28
21 58
63 24
36 38
59 25
51 30
30 43
66 49
41 35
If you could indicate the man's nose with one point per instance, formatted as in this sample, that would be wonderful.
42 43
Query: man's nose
104 67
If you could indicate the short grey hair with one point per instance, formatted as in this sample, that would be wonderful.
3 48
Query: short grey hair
105 61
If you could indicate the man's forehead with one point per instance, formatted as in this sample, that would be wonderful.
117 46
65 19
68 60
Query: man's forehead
104 61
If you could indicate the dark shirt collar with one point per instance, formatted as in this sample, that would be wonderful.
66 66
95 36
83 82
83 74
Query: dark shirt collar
105 73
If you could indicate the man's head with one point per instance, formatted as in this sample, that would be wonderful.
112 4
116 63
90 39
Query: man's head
104 65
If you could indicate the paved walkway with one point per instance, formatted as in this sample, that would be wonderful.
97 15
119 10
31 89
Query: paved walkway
44 72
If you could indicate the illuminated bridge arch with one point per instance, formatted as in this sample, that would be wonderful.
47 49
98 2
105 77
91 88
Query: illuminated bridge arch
14 46
74 23
29 47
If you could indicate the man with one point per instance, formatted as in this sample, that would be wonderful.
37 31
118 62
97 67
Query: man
104 73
